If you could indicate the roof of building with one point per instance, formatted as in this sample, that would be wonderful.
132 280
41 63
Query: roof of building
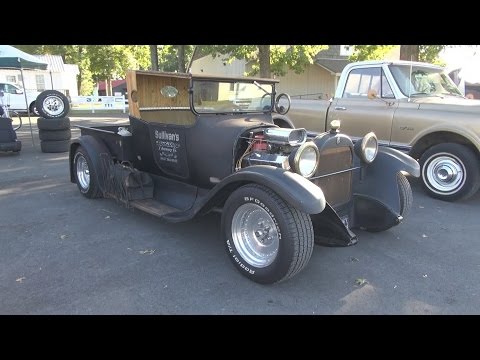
335 66
55 62
115 83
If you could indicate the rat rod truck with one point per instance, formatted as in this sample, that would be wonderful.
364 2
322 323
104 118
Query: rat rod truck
197 143
413 107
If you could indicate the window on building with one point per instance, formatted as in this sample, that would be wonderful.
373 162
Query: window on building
40 80
11 78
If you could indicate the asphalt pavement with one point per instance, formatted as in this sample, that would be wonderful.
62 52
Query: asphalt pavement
61 253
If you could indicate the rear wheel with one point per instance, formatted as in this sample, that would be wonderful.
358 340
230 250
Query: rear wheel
85 176
450 172
267 239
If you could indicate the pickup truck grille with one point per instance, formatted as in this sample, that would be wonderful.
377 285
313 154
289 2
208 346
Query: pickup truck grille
337 188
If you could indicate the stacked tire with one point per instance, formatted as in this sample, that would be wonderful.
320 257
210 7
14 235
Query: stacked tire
53 124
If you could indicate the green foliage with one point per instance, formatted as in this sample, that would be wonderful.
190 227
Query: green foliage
282 57
370 52
429 53
169 60
426 53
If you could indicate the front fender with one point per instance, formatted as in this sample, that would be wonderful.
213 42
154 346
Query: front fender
378 180
94 149
299 192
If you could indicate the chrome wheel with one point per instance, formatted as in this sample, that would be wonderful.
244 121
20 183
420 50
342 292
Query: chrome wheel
444 173
53 105
255 235
83 173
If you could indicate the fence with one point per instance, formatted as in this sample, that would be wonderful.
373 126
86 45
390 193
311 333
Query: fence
94 103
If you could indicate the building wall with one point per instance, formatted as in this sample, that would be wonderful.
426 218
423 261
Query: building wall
314 80
61 81
314 83
216 66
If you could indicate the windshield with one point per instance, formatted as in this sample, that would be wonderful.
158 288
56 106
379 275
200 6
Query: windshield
224 97
424 81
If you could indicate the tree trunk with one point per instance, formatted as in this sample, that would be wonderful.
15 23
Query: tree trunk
264 60
108 87
181 58
154 57
409 52
79 76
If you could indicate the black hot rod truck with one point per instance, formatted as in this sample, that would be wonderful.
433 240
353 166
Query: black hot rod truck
197 143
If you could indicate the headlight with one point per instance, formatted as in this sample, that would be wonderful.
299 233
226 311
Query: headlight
305 159
367 148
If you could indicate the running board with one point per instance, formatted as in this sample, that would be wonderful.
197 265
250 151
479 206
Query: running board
153 207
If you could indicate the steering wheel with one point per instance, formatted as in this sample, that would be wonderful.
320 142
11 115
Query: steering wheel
280 108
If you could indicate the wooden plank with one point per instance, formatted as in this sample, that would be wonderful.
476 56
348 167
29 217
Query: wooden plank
133 107
149 87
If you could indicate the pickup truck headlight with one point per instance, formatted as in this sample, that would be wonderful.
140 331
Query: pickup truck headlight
367 148
305 160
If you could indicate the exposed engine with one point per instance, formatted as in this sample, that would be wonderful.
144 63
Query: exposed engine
272 146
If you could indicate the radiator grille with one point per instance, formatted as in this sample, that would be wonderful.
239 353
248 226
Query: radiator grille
336 188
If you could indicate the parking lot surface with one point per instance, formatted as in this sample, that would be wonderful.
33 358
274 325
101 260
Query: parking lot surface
61 253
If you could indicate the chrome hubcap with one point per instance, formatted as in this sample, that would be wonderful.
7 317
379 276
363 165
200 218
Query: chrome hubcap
445 174
255 235
53 105
83 174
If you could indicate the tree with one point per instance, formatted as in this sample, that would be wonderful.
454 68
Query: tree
174 57
267 59
109 62
425 53
154 57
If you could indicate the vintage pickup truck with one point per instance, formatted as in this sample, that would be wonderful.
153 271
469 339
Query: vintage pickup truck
413 107
197 143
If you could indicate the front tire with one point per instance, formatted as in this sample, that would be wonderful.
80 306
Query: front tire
85 175
267 239
450 172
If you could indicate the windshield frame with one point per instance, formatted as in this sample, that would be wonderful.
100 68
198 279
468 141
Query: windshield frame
261 84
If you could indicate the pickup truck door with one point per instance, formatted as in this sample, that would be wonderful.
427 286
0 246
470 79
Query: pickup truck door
359 114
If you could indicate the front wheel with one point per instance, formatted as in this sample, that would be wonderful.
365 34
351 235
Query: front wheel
85 175
267 239
450 172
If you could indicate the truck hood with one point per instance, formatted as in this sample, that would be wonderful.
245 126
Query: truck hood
448 103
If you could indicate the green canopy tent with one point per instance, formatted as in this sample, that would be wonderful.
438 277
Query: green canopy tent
12 58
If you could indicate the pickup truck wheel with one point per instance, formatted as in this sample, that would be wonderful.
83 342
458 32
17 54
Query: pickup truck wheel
450 172
85 176
52 104
267 239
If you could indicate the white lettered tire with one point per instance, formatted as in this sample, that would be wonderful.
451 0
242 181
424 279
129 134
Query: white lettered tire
267 239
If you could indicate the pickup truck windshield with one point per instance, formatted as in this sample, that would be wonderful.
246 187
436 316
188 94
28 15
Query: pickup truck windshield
231 97
424 81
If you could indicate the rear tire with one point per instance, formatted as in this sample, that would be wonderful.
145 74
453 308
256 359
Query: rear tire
53 124
55 146
85 175
267 239
54 135
450 172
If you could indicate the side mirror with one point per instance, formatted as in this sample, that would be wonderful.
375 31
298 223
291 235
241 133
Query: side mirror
372 94
18 91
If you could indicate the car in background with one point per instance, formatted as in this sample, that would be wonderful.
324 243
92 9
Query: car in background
14 97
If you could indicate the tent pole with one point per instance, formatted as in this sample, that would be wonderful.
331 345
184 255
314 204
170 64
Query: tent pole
26 103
